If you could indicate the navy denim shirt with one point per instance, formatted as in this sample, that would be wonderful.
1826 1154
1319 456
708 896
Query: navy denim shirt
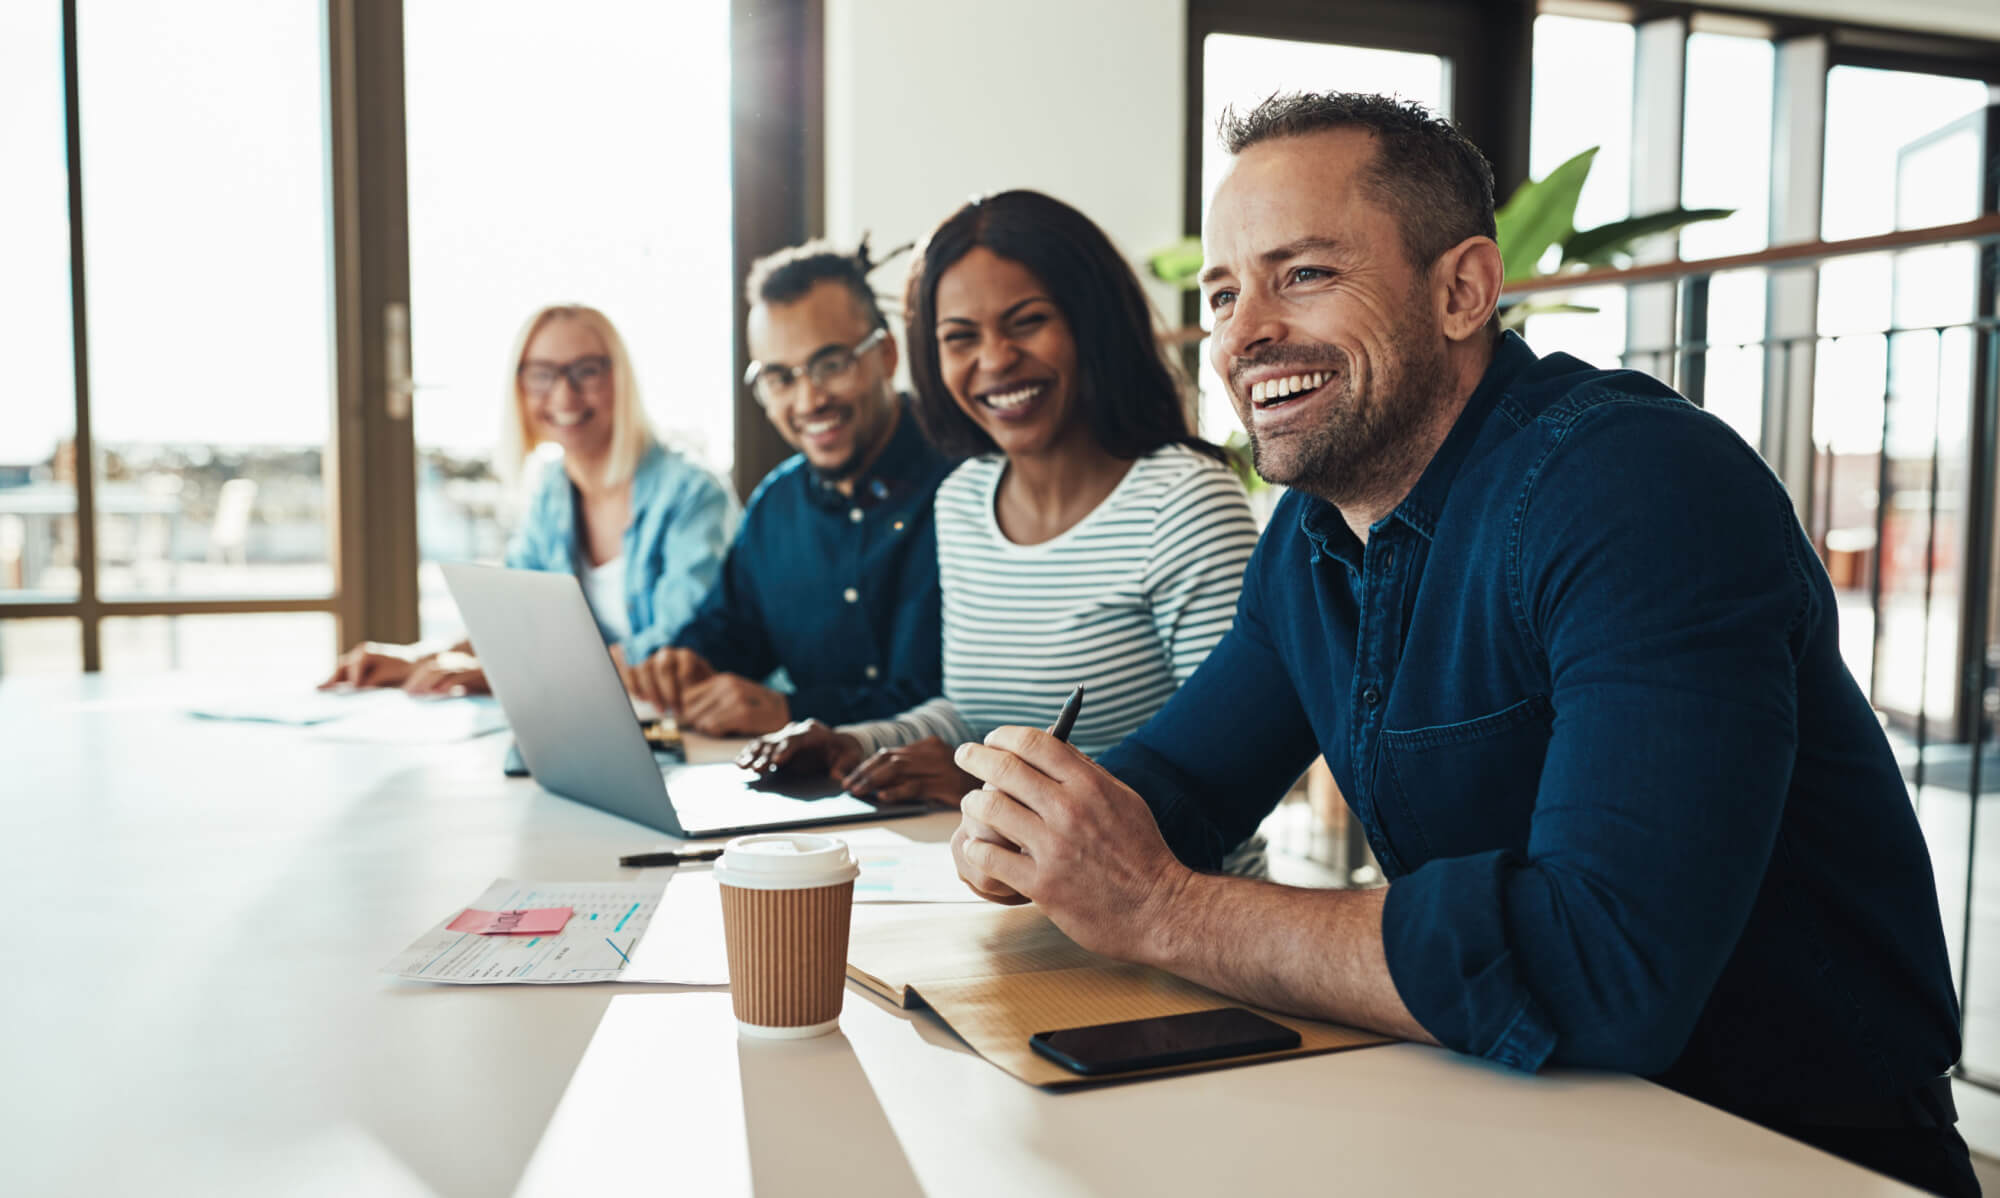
838 591
1583 690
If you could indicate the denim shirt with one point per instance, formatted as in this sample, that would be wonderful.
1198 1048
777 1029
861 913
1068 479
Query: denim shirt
1583 690
673 547
838 591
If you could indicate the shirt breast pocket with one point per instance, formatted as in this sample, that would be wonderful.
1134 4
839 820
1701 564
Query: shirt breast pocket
1452 790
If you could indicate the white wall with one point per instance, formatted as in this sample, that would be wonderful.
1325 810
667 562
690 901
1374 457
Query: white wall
930 102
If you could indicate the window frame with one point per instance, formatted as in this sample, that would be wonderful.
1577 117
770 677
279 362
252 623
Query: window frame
777 172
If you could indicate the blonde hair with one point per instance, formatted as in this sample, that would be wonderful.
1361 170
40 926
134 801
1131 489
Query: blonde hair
631 435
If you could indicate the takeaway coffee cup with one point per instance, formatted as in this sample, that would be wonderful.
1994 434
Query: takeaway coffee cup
786 898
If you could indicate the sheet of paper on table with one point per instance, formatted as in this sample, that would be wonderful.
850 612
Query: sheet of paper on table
617 932
404 720
896 869
373 716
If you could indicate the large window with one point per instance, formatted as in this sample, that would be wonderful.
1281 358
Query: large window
1726 163
1887 167
37 479
581 159
204 171
210 378
1582 97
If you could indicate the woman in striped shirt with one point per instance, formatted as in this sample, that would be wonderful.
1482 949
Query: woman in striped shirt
1091 536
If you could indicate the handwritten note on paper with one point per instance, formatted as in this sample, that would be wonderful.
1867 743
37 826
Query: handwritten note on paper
510 923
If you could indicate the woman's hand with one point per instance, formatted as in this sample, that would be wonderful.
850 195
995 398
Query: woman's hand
371 663
806 746
912 773
448 674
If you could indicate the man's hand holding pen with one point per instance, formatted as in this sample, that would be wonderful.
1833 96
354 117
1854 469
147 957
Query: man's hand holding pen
1054 827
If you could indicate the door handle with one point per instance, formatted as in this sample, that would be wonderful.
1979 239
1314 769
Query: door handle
398 386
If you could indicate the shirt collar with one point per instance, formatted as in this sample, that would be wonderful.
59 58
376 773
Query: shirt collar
647 475
1421 508
900 464
1320 521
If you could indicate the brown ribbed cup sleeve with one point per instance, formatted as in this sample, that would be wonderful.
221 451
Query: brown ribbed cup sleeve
787 953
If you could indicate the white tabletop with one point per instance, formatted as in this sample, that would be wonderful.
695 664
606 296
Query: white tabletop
195 1007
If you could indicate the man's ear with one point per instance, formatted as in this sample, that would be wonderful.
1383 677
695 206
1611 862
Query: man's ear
1467 279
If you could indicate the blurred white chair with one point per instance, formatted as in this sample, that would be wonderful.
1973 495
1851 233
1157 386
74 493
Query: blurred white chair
231 531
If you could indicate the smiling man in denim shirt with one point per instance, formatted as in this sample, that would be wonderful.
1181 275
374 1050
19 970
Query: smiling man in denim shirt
1573 662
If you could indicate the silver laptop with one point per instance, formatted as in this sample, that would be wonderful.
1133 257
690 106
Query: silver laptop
575 729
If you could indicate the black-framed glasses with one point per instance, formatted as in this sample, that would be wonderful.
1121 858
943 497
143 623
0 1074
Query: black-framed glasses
773 382
585 374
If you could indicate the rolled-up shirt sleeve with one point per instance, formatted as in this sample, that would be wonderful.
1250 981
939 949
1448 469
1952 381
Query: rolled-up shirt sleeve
1668 592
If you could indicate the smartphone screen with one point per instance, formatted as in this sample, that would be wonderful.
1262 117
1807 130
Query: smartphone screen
1162 1041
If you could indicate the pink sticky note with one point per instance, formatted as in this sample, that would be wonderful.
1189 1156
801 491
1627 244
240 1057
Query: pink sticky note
500 923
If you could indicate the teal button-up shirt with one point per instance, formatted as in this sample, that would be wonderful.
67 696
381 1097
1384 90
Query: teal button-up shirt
682 520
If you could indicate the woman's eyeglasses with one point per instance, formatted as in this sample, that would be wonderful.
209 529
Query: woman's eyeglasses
584 374
773 382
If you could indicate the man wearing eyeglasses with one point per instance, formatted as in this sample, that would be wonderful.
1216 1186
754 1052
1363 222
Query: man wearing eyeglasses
832 581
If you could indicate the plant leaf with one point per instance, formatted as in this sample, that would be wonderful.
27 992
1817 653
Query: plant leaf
1179 264
1607 243
1540 213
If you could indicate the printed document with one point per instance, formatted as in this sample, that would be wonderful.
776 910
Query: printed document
617 932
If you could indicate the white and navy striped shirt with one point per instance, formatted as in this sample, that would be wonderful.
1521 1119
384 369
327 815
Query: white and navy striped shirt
1128 602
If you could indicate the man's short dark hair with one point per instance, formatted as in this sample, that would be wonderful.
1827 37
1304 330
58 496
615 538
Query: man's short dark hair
786 276
1437 184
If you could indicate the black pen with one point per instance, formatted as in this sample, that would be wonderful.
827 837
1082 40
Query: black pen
1066 718
641 860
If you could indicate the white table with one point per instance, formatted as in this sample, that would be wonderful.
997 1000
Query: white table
194 1007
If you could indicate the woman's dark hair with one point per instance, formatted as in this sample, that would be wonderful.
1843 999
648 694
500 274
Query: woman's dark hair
1129 393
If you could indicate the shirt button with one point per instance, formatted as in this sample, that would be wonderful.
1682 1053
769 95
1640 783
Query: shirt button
851 595
871 672
1388 556
898 526
854 514
1371 696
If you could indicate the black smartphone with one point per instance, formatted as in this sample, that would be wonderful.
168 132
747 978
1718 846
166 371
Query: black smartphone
1164 1040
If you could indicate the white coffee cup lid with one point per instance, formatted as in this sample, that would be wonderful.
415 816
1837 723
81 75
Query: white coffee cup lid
785 861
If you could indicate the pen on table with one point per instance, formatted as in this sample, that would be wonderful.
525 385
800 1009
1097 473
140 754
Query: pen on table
641 860
1066 718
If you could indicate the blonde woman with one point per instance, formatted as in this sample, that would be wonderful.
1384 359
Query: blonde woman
642 528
